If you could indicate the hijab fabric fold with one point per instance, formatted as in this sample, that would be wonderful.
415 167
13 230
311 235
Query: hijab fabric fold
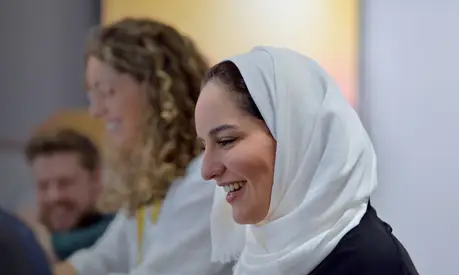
324 174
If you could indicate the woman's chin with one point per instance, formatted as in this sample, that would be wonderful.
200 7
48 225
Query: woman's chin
118 142
242 217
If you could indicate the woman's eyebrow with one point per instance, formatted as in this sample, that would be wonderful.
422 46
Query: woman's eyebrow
221 128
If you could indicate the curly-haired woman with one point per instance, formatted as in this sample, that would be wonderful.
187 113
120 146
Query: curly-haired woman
143 79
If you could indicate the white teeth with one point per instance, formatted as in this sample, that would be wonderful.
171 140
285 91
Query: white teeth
111 125
233 186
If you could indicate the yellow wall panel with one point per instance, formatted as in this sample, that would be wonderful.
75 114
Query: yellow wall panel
326 30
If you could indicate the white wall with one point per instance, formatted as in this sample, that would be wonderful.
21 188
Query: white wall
410 104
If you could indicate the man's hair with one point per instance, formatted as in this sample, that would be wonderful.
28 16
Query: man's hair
64 141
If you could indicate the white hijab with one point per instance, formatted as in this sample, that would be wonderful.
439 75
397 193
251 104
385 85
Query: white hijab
325 168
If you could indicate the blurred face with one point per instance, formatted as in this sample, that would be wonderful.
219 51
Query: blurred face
115 98
239 153
66 191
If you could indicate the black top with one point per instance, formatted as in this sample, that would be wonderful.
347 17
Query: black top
368 249
20 253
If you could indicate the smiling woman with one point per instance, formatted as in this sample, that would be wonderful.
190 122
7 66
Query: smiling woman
296 166
143 80
232 136
121 111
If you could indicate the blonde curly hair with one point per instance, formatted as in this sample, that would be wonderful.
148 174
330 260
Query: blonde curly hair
171 68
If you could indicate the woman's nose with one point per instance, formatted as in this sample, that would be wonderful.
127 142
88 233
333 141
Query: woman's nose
211 168
96 108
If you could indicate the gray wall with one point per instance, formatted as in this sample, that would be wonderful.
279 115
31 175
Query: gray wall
410 103
41 71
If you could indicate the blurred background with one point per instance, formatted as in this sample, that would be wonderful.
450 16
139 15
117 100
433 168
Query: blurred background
395 61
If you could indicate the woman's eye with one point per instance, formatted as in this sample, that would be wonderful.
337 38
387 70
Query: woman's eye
109 92
226 142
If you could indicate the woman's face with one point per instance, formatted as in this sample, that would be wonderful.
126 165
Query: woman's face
239 153
116 98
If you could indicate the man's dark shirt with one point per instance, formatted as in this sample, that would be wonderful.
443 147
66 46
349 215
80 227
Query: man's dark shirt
20 252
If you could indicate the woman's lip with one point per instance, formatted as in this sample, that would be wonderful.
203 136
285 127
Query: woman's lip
233 195
221 184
